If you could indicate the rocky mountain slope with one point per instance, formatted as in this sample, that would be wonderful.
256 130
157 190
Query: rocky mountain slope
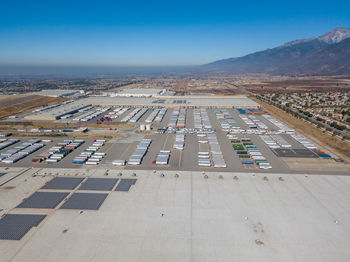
326 54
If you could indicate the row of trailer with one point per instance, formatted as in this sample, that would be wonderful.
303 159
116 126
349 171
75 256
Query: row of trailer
160 115
91 156
209 153
90 114
248 121
279 125
59 151
156 115
178 118
45 108
281 141
215 150
204 159
248 153
135 114
20 151
130 115
179 141
201 118
163 157
225 119
257 122
115 113
7 142
141 150
138 115
203 151
304 141
152 115
275 141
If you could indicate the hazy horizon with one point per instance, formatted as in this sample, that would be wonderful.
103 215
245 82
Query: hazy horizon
91 71
110 33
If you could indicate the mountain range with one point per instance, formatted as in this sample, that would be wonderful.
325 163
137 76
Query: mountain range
324 55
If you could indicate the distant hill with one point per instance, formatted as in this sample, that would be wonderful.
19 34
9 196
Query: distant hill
326 54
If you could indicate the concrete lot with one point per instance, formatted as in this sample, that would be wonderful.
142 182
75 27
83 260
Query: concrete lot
183 212
225 217
186 159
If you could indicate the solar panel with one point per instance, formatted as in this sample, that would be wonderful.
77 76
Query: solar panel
305 153
158 101
43 200
15 226
64 183
88 201
125 184
283 152
103 184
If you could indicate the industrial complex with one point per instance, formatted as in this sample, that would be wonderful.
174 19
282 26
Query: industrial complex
59 93
139 92
149 176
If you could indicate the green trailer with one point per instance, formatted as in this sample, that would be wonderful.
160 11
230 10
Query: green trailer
238 147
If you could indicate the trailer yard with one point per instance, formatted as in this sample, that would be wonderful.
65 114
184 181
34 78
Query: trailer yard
187 137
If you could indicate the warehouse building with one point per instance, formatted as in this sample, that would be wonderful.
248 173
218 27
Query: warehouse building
176 101
174 216
139 92
58 112
59 93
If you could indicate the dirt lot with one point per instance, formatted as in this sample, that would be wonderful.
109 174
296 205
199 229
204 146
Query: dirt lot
329 142
313 164
303 84
220 91
14 104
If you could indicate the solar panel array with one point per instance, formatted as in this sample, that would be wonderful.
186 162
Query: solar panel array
125 184
64 183
43 200
102 184
158 101
179 101
85 201
15 226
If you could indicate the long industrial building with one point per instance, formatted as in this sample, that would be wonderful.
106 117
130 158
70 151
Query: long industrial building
59 92
175 101
139 92
167 101
58 112
177 216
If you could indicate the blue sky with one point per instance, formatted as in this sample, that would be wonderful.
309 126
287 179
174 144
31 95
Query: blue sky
155 32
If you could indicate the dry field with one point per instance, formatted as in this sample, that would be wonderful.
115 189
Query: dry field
315 164
311 84
14 104
220 91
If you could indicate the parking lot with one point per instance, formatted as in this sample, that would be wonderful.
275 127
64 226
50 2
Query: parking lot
186 159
